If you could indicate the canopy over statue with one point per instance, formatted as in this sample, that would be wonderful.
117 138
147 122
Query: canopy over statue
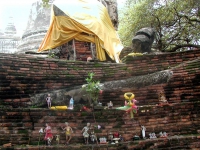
82 20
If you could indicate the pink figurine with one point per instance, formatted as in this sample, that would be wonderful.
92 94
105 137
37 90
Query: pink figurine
48 134
48 99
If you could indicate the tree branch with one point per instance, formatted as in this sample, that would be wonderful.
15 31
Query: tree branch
183 45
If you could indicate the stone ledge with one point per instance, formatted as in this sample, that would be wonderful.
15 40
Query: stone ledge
159 143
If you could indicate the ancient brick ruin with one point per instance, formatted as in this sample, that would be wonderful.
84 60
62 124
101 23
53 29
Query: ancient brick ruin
22 76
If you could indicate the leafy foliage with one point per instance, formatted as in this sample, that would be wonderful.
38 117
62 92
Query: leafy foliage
176 22
92 87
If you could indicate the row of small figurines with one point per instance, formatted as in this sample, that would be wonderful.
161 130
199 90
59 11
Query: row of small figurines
161 135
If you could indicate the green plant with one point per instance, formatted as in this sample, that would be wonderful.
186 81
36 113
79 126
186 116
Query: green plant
92 88
51 55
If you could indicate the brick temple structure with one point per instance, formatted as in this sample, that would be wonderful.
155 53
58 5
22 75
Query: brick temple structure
38 24
24 77
74 50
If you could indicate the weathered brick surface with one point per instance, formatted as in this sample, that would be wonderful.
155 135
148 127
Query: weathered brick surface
22 75
177 120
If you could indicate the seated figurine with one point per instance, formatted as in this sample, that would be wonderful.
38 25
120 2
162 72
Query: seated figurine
162 98
110 104
154 135
163 135
110 137
150 136
93 137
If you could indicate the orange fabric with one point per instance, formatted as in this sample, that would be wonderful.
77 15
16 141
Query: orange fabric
89 17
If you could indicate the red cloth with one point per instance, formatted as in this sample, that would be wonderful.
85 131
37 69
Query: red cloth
116 135
48 134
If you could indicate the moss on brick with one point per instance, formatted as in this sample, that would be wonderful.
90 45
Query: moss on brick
192 65
23 131
84 113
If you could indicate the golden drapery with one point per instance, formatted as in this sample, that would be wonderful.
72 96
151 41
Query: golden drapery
83 20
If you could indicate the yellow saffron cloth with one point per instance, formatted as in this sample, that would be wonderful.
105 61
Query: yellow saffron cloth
83 20
58 108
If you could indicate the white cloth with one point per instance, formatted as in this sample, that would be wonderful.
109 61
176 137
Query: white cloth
48 99
85 133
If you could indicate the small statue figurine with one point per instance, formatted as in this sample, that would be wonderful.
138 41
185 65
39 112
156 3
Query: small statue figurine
163 135
58 139
162 98
93 137
48 134
130 106
110 104
154 135
85 132
150 135
48 99
110 137
130 97
68 132
143 132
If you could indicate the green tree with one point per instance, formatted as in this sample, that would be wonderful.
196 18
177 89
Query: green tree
176 22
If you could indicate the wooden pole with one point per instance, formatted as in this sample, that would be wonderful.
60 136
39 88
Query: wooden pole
92 50
74 48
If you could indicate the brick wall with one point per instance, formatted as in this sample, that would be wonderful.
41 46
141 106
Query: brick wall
83 50
21 126
22 75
